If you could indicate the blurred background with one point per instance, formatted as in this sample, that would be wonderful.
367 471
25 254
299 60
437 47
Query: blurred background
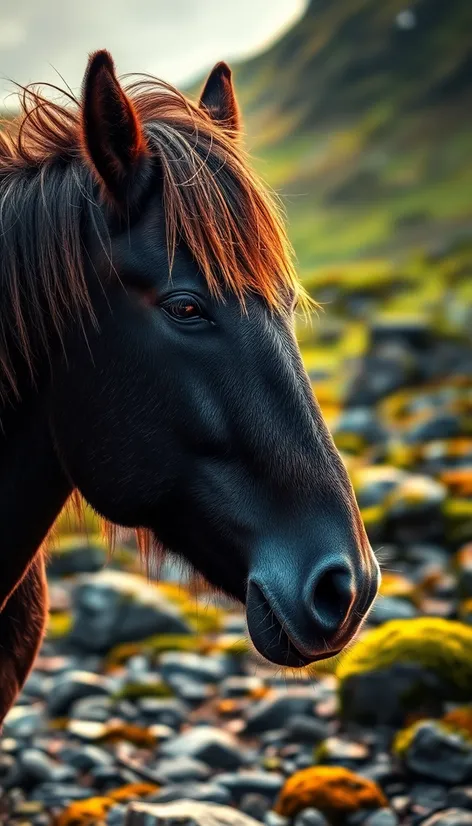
358 113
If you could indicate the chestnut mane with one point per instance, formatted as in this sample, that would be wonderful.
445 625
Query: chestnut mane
212 199
232 226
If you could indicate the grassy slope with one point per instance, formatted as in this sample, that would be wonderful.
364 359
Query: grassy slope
366 128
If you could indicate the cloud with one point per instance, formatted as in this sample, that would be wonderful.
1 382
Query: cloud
173 39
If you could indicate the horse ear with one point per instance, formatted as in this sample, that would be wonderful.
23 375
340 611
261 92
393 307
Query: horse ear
112 135
219 99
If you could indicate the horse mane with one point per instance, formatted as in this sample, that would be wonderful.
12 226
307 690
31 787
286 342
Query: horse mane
232 225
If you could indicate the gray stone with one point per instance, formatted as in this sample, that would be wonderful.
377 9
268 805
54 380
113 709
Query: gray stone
37 685
111 777
254 805
254 782
275 712
449 817
190 812
33 767
72 686
235 624
206 792
191 692
213 746
428 796
23 721
7 763
181 770
310 817
304 729
272 818
382 817
391 608
340 752
80 558
460 798
97 708
86 758
195 667
116 816
112 607
240 685
60 794
439 754
395 685
171 712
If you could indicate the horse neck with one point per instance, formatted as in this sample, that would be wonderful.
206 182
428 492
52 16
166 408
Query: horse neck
33 486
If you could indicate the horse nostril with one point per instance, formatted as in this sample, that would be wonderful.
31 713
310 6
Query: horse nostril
330 598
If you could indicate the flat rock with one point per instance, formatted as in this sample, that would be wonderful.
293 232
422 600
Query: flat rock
449 817
213 746
197 667
112 607
440 755
255 782
275 712
72 686
181 770
192 812
23 721
206 792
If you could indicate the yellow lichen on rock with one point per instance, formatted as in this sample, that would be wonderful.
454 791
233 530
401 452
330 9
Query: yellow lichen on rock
59 624
405 737
440 645
333 790
204 619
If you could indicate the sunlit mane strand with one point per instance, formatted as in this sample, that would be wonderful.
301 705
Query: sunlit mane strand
212 199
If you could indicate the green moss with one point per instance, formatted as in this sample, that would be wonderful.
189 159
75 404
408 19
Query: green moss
131 691
441 646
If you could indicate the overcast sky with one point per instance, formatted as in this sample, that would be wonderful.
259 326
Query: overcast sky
173 39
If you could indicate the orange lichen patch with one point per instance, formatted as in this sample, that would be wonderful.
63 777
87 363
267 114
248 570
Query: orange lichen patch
261 692
396 585
463 557
453 448
85 812
133 734
228 707
460 720
128 793
333 790
459 480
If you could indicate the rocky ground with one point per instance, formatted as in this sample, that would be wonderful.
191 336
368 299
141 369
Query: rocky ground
148 706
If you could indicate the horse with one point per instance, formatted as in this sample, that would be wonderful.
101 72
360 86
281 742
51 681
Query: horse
149 364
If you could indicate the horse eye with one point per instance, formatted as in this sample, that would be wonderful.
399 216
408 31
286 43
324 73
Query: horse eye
183 308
